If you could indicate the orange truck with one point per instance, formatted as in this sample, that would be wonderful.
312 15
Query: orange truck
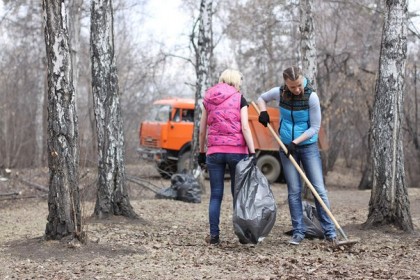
166 136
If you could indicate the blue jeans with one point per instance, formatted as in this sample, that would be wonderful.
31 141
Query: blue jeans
216 166
309 158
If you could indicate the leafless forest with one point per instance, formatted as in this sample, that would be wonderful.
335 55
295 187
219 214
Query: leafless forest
260 38
167 238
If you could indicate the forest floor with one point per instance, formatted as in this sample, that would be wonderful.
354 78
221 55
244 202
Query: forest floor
168 242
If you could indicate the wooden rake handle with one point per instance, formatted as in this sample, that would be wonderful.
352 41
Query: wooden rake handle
311 187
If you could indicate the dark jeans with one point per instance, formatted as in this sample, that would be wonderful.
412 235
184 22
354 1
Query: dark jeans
216 166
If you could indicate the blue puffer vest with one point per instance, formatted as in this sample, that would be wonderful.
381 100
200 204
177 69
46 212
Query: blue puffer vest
294 112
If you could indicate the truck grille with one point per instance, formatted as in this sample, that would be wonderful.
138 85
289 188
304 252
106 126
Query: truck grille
150 142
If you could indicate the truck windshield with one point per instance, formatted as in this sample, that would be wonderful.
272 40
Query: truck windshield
160 113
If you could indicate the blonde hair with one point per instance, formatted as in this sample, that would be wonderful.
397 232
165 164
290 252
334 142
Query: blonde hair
231 77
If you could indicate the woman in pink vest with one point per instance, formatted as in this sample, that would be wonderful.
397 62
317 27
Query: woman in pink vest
224 123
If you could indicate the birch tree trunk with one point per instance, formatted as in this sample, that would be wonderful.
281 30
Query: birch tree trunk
309 62
112 197
307 43
366 61
389 202
64 218
75 12
204 51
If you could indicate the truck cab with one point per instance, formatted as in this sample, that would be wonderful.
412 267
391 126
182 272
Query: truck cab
165 136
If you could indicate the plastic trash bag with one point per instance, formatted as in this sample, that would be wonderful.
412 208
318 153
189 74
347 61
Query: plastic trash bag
166 193
187 188
254 208
184 187
311 221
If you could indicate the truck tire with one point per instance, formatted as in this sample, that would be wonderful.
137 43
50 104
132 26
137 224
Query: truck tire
184 162
270 167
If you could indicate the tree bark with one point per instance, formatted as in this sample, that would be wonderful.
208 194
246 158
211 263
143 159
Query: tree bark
389 202
204 51
307 43
308 51
75 12
64 218
112 197
366 61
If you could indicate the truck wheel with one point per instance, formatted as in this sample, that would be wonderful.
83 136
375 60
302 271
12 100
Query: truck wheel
270 167
166 169
184 162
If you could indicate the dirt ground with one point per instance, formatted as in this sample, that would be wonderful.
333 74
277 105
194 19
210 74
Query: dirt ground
169 241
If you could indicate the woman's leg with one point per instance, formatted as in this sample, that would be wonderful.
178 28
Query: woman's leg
294 189
216 165
312 164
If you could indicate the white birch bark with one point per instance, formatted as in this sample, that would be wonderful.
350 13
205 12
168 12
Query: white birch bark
64 218
389 202
204 52
112 197
307 43
75 12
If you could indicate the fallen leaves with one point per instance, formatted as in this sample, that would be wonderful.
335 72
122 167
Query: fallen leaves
172 245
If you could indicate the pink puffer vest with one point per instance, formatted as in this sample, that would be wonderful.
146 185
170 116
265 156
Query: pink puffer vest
223 104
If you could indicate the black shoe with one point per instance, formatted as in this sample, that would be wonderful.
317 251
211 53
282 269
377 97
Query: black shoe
214 240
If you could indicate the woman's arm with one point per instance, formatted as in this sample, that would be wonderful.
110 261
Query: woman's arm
203 130
246 131
272 94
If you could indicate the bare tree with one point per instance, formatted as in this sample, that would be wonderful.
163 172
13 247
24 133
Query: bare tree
309 62
309 58
75 14
307 43
203 52
64 218
389 202
112 197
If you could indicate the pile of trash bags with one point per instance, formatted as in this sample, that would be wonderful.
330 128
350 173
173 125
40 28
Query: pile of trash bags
184 187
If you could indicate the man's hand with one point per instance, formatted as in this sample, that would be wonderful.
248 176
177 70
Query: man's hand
202 159
264 118
291 148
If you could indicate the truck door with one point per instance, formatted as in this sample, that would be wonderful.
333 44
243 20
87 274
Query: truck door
180 128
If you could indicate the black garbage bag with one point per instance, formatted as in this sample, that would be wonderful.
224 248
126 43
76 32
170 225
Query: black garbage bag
184 187
187 187
166 193
254 208
311 221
